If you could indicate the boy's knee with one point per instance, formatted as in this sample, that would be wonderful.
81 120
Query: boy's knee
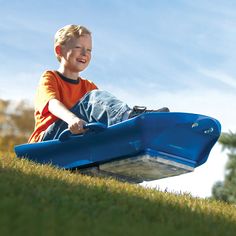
99 93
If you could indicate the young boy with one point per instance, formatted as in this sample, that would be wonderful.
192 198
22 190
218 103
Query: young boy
65 100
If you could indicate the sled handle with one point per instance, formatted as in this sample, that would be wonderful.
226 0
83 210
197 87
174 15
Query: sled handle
92 127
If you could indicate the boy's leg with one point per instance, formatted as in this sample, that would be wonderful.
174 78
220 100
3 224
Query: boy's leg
95 106
101 106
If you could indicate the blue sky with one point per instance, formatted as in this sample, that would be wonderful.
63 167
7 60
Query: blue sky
179 54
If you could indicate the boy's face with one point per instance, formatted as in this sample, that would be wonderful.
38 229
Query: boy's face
76 54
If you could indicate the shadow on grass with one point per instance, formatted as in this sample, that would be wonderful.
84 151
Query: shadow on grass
35 205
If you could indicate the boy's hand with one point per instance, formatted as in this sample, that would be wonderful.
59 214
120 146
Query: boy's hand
76 125
58 109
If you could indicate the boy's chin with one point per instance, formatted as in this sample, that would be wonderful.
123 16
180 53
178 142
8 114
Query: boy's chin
81 67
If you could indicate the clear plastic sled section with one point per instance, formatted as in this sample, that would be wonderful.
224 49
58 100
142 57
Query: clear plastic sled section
148 147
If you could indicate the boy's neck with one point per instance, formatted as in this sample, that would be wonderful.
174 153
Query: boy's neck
68 74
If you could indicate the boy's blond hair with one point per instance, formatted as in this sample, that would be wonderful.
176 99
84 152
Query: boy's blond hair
68 32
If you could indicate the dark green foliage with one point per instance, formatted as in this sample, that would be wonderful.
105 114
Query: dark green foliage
226 190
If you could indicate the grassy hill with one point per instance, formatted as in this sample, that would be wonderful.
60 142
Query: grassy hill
42 200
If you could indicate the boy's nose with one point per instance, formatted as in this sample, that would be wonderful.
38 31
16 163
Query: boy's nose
83 51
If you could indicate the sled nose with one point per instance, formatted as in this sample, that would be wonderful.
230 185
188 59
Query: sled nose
206 126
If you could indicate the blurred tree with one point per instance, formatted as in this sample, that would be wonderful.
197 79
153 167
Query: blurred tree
16 123
3 113
226 190
23 119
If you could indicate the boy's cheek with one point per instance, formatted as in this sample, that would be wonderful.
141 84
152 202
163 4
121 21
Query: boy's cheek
88 61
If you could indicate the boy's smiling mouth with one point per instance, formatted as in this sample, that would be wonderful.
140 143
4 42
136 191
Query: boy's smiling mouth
81 60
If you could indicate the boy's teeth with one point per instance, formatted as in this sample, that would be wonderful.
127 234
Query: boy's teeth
83 61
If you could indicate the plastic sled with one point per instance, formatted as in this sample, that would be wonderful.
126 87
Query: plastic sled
147 147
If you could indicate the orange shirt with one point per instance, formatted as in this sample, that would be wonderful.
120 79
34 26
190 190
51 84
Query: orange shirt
51 86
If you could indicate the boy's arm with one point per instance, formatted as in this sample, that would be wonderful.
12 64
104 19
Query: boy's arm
58 109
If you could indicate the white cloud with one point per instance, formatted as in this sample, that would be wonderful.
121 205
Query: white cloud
25 84
220 76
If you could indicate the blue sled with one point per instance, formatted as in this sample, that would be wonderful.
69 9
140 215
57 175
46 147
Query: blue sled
147 147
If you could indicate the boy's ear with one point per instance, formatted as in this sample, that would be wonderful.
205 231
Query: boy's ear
58 50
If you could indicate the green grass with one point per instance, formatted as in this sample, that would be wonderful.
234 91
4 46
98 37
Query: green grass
42 200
